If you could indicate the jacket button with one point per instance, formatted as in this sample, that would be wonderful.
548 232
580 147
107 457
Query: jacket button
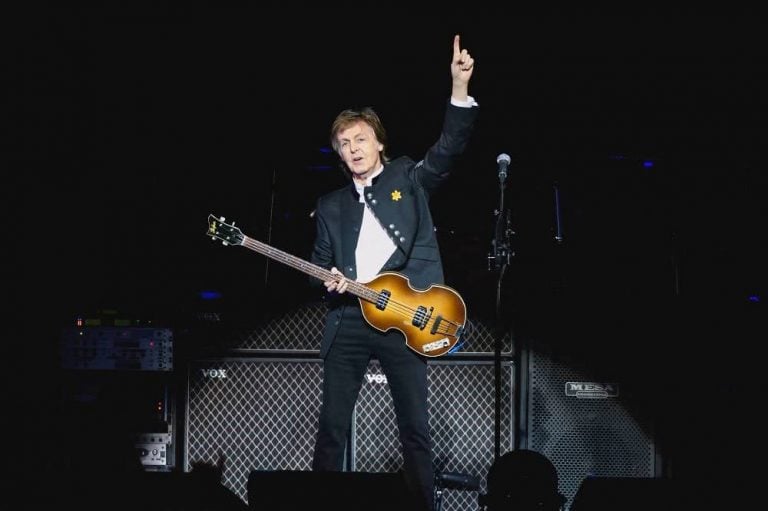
370 195
391 226
373 202
402 239
397 233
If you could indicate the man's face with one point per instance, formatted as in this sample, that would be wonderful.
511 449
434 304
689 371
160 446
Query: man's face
360 150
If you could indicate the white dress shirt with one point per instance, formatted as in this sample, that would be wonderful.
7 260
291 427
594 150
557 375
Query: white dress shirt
374 246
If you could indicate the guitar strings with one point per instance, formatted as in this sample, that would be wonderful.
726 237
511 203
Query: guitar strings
362 289
408 312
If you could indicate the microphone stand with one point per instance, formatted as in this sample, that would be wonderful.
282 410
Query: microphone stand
499 259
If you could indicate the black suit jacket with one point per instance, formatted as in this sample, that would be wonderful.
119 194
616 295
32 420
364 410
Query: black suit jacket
399 197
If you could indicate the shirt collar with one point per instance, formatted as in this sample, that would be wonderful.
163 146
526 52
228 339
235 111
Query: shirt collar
359 187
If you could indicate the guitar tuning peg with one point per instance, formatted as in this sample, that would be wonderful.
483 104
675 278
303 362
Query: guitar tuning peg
224 243
233 224
222 219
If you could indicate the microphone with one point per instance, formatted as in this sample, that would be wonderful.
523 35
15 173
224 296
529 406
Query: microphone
503 160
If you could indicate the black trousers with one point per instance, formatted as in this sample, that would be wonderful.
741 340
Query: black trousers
343 371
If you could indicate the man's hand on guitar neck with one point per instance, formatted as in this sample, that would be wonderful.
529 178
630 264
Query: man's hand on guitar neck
339 285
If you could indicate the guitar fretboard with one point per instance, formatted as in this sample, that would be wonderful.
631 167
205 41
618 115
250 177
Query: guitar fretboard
356 288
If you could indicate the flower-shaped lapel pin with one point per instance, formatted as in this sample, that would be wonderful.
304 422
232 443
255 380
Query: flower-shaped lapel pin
396 195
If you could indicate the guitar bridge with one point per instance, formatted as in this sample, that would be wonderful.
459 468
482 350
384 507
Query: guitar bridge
438 320
421 318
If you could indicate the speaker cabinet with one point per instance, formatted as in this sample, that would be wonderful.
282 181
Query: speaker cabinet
260 414
462 410
586 424
252 414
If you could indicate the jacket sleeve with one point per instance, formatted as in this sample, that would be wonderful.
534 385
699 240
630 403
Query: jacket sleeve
440 159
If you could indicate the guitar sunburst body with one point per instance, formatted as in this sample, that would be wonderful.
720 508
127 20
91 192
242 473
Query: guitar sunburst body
431 320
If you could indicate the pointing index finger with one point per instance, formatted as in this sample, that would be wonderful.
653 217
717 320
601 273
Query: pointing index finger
456 47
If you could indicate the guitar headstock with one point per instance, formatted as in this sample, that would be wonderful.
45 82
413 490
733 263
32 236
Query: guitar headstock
227 233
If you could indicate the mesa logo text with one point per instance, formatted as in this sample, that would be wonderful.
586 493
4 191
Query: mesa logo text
591 390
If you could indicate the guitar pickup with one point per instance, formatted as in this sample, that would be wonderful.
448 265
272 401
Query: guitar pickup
421 318
382 300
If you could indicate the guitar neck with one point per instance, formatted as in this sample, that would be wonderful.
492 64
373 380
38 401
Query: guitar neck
356 288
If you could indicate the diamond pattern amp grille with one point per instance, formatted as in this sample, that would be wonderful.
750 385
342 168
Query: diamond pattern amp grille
462 409
252 415
301 329
261 413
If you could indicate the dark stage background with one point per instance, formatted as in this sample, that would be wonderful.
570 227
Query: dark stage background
129 126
